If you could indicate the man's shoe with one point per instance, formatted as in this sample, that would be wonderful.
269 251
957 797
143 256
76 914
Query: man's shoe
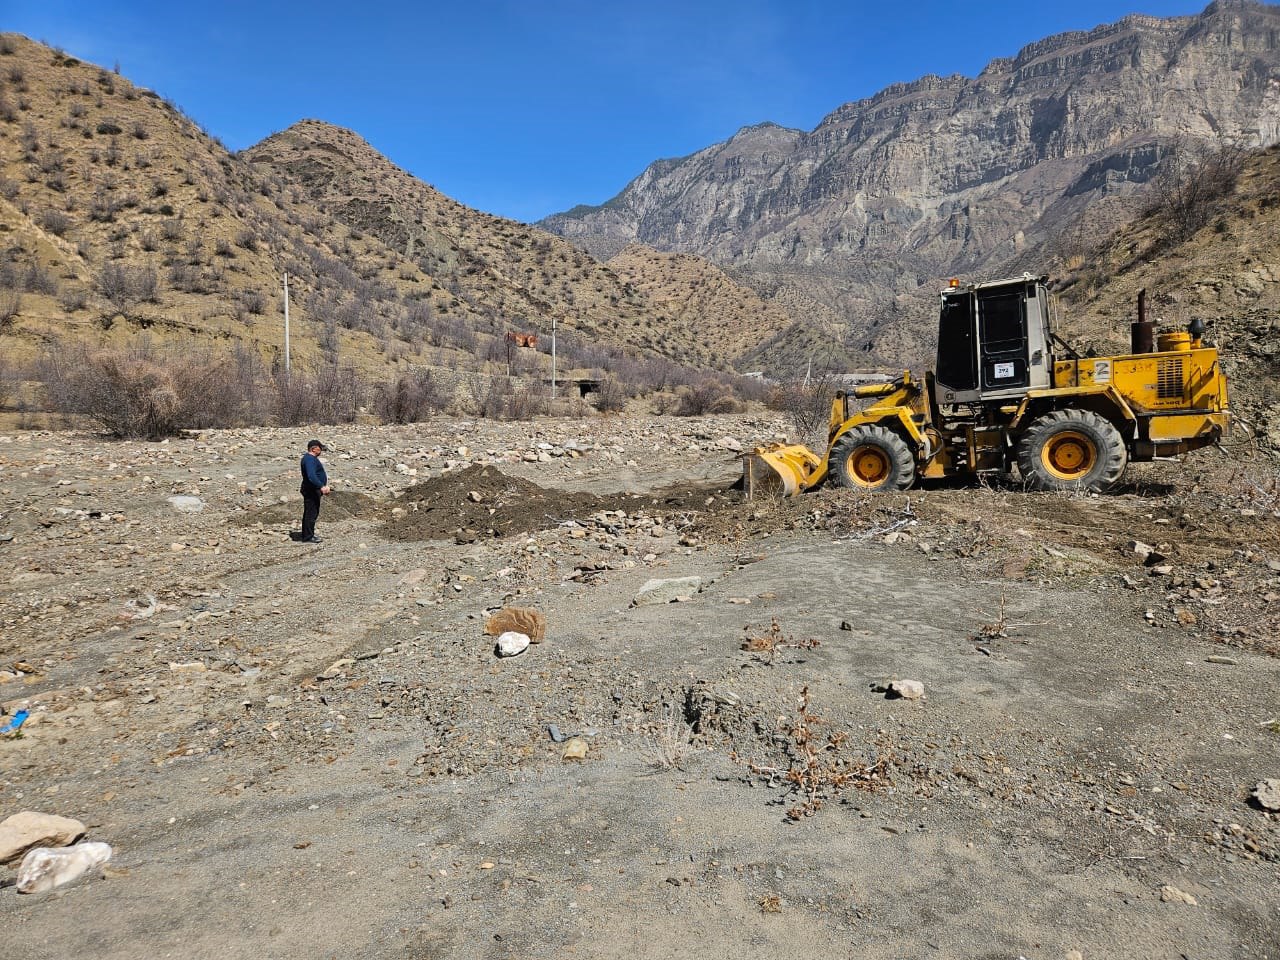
316 540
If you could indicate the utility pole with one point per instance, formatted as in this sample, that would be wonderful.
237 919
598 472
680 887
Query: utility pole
286 322
553 356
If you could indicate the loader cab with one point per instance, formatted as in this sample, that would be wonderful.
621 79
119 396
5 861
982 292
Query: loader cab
993 340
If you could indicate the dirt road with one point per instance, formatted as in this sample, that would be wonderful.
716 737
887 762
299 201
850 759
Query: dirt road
312 751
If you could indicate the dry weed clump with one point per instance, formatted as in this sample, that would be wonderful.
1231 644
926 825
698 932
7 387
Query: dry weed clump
772 640
671 742
770 903
819 768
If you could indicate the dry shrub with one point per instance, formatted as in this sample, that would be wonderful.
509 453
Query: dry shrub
140 392
1193 181
10 307
706 397
611 396
808 405
332 394
411 397
503 398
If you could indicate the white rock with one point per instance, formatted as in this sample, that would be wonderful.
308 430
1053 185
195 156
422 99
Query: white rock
511 644
1139 549
43 869
907 689
667 591
23 831
1267 794
185 504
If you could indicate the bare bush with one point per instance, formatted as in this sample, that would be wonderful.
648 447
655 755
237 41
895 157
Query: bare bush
10 307
1193 180
139 392
611 396
125 287
254 302
504 398
73 298
411 397
808 405
55 221
333 394
708 396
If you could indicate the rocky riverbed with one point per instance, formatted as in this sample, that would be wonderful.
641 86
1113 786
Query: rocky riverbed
303 750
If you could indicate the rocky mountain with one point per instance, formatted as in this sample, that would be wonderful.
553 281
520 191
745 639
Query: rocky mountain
867 213
121 216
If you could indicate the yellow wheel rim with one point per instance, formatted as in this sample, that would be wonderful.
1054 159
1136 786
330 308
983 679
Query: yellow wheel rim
1069 455
868 466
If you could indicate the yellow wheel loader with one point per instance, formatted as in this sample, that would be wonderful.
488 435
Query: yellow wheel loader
1007 391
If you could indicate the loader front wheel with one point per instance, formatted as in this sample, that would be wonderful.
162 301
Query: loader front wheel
1071 450
872 459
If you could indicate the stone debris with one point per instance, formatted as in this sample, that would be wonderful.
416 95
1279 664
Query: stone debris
26 830
671 590
511 644
184 504
1266 794
1171 894
574 749
905 690
44 869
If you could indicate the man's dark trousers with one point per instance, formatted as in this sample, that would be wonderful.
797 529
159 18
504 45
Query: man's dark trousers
310 510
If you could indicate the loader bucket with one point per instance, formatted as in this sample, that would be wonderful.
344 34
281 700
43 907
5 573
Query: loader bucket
782 470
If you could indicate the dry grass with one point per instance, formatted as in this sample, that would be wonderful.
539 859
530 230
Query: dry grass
126 216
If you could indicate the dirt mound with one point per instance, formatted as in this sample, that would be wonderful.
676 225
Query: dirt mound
481 501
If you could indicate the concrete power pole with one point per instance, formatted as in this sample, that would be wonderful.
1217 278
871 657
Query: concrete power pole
286 322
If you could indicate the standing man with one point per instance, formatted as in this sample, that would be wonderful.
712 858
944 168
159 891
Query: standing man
315 484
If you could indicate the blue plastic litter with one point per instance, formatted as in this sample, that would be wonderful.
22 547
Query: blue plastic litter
14 725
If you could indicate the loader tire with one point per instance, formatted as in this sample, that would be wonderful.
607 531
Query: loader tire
873 459
1071 450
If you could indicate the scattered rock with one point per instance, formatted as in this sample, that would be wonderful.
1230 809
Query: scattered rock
904 690
667 591
575 749
1171 894
511 644
185 504
1225 661
337 668
527 620
1139 549
43 869
1267 794
26 830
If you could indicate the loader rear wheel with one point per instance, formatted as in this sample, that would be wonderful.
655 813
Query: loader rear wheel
1071 450
873 459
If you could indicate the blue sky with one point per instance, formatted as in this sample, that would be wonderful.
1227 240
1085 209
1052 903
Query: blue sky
525 109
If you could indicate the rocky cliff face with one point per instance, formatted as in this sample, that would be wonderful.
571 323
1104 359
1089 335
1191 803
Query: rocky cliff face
949 175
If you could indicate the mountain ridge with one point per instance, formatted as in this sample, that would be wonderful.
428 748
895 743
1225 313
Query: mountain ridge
950 175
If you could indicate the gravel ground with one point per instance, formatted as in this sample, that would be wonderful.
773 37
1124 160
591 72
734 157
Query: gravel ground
312 751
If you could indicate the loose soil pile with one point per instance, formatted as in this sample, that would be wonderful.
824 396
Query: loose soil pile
481 501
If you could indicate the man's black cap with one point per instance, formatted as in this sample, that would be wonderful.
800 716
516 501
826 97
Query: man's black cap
316 443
